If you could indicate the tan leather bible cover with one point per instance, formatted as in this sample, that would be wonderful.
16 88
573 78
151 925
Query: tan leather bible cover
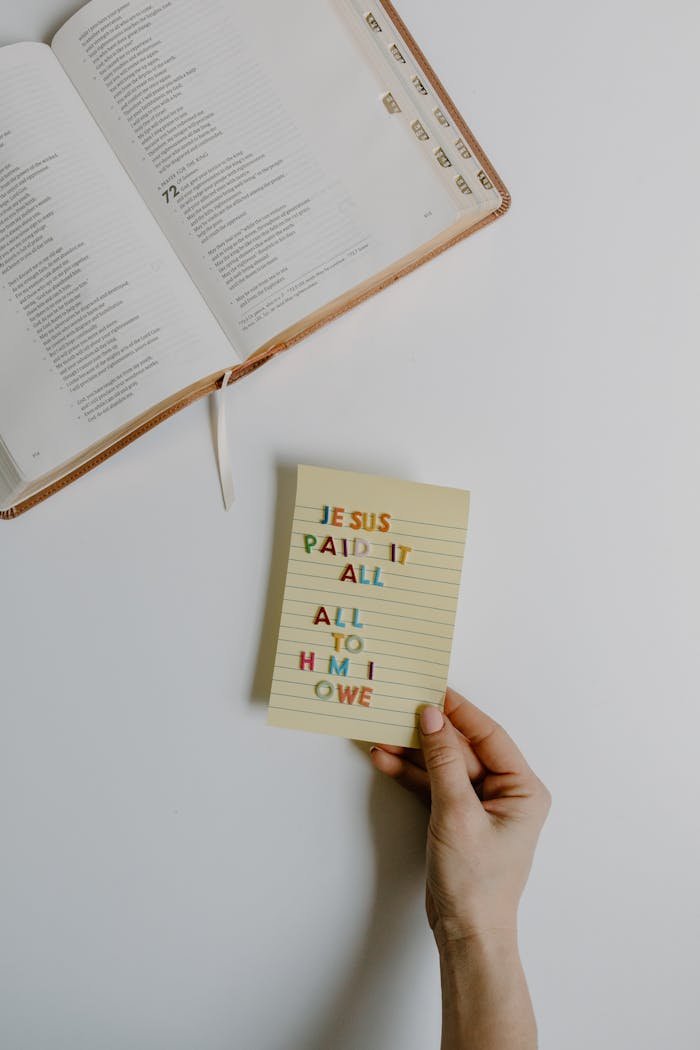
250 365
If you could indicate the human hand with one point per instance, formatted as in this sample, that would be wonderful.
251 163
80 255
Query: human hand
487 808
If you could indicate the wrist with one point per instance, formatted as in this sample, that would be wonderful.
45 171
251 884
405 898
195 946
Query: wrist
456 941
488 957
485 1001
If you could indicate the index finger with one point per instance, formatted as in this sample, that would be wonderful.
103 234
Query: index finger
489 740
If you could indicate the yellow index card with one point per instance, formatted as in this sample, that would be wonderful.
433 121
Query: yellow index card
369 605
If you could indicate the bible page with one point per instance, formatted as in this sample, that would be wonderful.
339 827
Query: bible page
99 319
282 146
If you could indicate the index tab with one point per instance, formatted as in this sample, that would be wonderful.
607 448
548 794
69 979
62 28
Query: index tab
419 131
369 605
391 103
372 22
397 54
442 158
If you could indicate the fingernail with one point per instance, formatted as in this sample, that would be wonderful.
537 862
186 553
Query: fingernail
373 749
431 720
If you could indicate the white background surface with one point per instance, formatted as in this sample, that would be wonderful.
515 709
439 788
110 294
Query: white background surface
177 875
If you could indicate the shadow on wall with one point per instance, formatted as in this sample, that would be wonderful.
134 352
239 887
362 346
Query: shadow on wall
377 989
284 515
373 993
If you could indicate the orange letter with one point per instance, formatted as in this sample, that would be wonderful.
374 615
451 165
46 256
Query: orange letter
347 694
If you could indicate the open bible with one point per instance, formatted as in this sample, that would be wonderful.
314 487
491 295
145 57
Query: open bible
189 187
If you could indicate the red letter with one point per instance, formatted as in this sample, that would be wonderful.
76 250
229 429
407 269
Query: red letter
306 663
322 616
348 574
347 694
328 544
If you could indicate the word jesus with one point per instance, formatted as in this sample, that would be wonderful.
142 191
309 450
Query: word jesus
357 519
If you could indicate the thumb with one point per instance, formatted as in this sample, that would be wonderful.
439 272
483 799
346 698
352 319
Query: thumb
444 760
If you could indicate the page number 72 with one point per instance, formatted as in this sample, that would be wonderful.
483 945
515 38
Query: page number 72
170 194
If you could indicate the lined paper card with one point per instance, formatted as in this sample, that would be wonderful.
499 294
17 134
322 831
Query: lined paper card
369 605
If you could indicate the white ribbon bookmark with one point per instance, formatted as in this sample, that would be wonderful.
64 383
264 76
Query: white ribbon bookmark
222 453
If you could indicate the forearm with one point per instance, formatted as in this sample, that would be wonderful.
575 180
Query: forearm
485 1001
